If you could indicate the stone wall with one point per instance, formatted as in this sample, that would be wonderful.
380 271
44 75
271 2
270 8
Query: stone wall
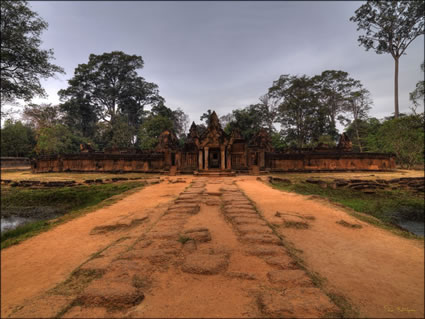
14 162
332 161
186 162
92 162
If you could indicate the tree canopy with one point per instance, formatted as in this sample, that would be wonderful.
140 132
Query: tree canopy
109 85
23 62
108 90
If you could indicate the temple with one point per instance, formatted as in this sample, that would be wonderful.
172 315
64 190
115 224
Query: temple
215 152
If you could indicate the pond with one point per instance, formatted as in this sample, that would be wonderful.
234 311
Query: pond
9 223
414 227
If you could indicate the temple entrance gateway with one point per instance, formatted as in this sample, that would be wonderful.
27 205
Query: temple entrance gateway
214 158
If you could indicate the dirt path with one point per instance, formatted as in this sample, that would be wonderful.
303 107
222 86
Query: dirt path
382 274
40 263
209 254
171 250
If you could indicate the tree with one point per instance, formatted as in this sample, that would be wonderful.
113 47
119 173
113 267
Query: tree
122 134
248 121
80 117
278 141
299 110
333 89
417 95
151 129
356 109
390 27
364 133
42 115
206 117
23 62
109 86
403 136
58 139
268 109
178 117
17 139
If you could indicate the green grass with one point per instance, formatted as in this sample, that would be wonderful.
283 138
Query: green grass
66 202
381 209
18 175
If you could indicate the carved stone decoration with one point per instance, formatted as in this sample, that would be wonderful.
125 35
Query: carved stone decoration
167 140
193 131
345 143
214 135
214 122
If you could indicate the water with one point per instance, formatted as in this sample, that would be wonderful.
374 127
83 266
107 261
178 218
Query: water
414 227
9 223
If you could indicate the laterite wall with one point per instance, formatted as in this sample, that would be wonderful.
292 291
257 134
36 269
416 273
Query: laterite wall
153 162
329 161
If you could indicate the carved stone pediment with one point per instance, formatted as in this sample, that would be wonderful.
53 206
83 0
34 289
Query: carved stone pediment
214 136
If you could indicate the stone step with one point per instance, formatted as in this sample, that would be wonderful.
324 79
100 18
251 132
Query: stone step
214 173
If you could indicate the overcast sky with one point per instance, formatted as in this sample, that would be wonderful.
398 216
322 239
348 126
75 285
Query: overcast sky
224 55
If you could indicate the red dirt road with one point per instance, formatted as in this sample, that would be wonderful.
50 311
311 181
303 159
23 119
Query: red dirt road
41 262
381 273
204 251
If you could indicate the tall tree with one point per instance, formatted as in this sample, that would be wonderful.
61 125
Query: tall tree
23 62
299 110
180 121
333 89
390 27
356 110
109 86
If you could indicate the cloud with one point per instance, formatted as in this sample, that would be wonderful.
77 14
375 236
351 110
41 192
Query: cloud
224 55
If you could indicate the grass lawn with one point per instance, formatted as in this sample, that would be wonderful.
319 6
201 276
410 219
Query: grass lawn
45 204
385 207
26 175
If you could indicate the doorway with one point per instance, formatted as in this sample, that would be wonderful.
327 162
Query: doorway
214 158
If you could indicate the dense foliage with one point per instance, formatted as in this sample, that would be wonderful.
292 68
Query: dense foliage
17 139
403 136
